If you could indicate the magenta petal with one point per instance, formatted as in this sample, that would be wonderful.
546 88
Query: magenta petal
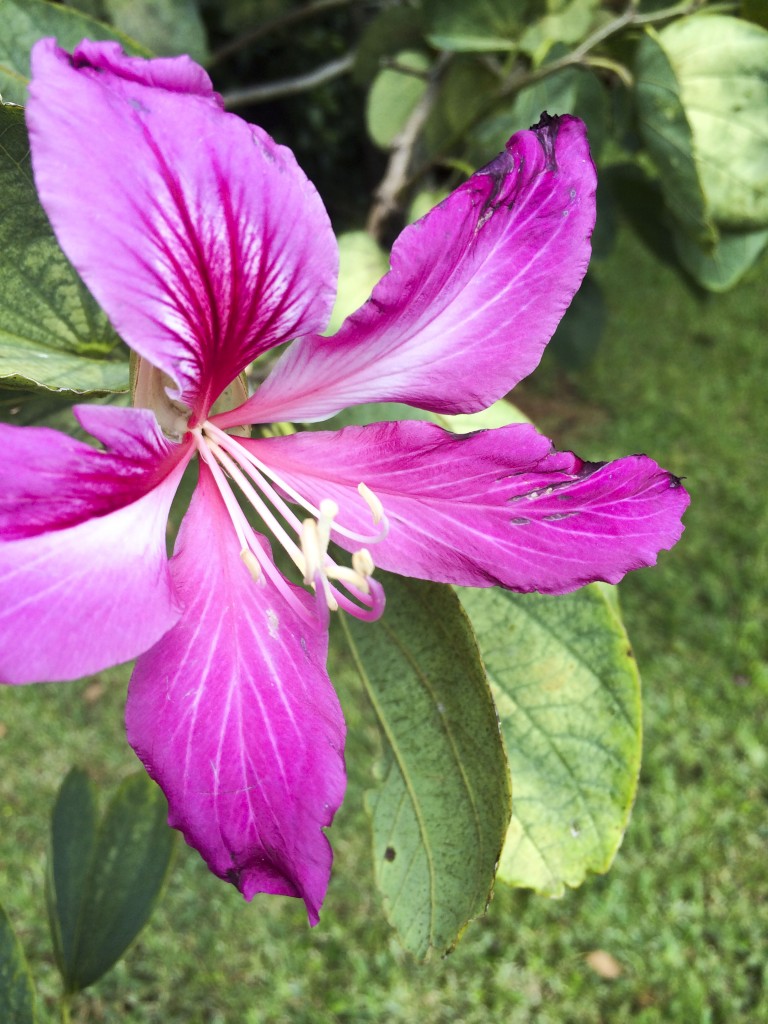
79 598
51 481
476 290
199 236
493 507
234 715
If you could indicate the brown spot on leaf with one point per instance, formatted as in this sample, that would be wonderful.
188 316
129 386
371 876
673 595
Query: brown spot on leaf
389 853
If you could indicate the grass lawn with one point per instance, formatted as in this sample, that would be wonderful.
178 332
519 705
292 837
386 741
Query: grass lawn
684 911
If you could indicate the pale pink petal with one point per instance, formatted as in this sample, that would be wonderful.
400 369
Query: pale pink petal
234 715
79 598
476 290
496 507
199 236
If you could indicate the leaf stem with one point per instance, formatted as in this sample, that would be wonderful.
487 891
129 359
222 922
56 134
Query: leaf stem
290 86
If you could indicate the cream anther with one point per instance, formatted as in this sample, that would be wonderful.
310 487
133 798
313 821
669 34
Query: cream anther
362 563
373 503
252 564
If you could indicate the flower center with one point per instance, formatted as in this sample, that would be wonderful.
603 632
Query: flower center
304 540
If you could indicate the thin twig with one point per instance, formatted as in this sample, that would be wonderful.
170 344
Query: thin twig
401 153
290 86
281 21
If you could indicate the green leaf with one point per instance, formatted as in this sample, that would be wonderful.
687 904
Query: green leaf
571 90
667 134
104 881
73 841
566 23
568 695
52 333
17 994
720 268
164 26
441 811
393 96
721 66
392 30
473 25
25 21
361 263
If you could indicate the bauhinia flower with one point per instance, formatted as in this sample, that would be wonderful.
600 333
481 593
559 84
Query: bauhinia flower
207 247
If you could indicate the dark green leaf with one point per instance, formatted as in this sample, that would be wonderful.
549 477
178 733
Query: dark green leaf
73 841
25 21
569 91
392 30
164 26
105 882
577 338
17 994
667 134
568 694
441 811
473 25
52 333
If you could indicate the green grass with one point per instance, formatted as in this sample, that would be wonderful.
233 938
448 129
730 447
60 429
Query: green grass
684 909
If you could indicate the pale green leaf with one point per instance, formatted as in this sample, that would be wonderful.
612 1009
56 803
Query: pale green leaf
25 21
52 333
393 96
721 66
667 134
17 994
568 695
362 262
441 811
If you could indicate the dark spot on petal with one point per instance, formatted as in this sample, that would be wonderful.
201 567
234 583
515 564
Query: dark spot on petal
519 521
389 853
546 132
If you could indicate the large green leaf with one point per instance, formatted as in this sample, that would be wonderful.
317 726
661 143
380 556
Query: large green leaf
441 811
17 994
721 66
104 880
52 333
667 133
720 268
25 21
568 695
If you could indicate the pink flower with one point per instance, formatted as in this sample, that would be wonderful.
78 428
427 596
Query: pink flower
207 247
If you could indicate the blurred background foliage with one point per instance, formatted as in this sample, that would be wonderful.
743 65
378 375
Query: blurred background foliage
388 105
